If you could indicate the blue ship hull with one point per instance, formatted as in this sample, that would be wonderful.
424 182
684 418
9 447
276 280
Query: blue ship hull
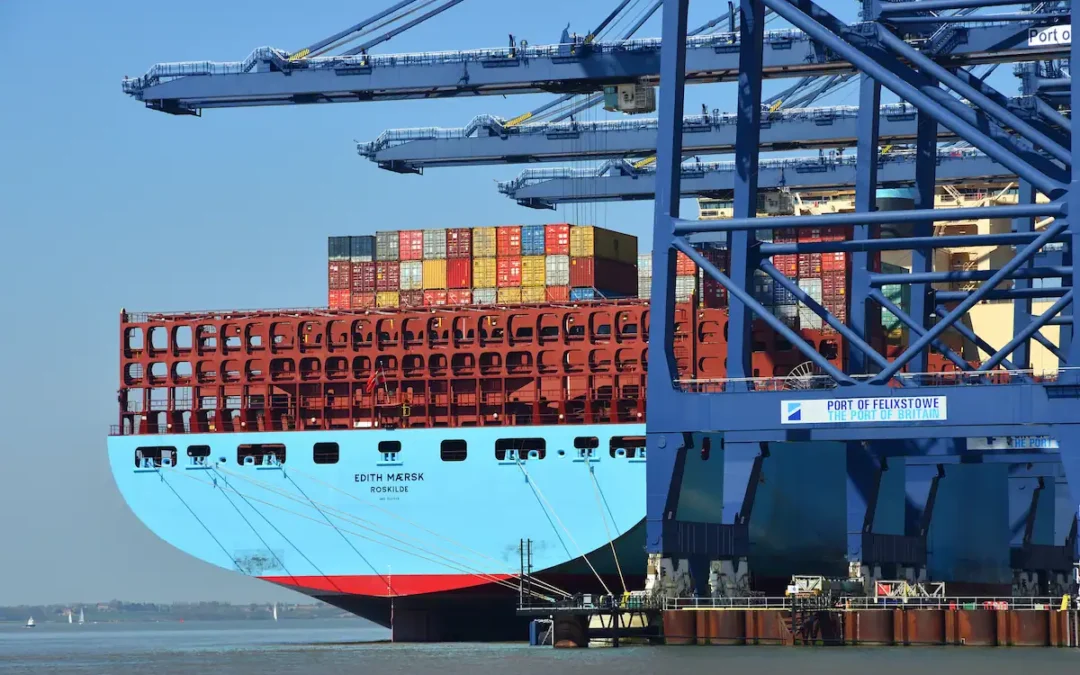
437 534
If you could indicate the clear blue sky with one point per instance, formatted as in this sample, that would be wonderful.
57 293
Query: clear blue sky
105 205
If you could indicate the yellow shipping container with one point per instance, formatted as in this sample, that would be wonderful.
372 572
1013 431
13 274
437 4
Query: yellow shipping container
534 294
483 242
388 299
510 296
484 271
588 241
533 270
435 275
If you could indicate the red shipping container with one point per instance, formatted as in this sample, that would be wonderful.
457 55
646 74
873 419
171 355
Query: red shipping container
434 298
412 298
339 298
606 276
411 245
459 242
810 234
785 235
809 265
558 293
787 264
363 300
508 270
459 297
713 294
718 257
684 266
387 276
834 284
459 273
363 277
508 241
557 239
833 262
339 275
836 233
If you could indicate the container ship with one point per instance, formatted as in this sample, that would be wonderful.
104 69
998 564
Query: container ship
462 429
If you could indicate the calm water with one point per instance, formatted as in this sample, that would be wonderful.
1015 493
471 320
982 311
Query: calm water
341 647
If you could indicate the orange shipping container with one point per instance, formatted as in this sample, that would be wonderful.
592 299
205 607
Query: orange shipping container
508 272
339 298
684 266
459 273
411 245
508 241
363 300
434 298
558 294
557 239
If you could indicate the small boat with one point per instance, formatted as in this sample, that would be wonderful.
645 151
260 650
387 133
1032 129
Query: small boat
69 617
30 623
82 617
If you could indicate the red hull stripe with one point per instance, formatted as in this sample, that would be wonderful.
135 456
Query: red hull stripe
398 584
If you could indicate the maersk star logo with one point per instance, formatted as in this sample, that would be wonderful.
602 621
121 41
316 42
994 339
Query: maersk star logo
794 412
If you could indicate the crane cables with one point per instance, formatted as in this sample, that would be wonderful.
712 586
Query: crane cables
374 527
549 507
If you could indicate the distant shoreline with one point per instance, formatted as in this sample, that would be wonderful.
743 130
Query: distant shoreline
117 611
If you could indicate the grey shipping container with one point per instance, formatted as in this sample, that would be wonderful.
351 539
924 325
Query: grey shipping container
485 296
684 288
337 248
435 244
362 248
557 270
644 288
644 265
412 275
386 246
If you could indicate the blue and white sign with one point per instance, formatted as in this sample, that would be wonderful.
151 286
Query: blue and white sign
861 410
1050 35
1012 443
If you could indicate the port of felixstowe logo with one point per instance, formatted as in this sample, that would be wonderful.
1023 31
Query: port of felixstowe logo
894 409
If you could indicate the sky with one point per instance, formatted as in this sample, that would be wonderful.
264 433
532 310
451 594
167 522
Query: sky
106 205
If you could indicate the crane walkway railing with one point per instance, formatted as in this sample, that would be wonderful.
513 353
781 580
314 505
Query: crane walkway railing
393 137
280 58
621 166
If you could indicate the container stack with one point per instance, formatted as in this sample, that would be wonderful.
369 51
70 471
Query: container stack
900 295
644 275
510 264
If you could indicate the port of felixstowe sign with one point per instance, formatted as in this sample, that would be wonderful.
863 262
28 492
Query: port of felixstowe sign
1050 35
857 410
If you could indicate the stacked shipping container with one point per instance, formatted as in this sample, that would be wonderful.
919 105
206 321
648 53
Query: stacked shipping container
485 265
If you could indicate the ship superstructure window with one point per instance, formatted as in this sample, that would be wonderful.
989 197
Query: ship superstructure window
586 442
260 454
151 457
627 446
389 450
198 451
326 453
453 451
520 448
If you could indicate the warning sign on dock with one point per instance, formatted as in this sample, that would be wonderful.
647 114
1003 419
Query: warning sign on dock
857 410
1049 36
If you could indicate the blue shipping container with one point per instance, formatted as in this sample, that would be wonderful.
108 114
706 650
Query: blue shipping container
532 240
782 296
362 248
594 294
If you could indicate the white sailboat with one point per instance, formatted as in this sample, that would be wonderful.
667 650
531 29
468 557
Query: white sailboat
275 611
82 617
30 623
69 616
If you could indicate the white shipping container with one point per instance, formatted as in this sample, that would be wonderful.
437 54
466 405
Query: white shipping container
485 296
789 314
808 318
644 289
812 288
557 269
684 288
644 265
435 244
412 275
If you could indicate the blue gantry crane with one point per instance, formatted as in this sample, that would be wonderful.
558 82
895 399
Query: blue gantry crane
871 403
